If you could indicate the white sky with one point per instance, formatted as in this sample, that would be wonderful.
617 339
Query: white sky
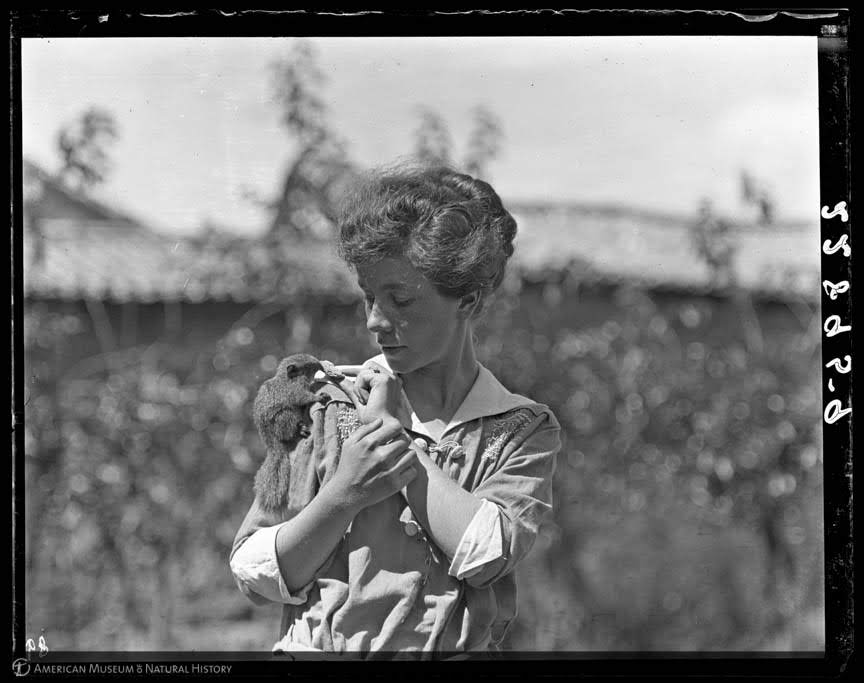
654 122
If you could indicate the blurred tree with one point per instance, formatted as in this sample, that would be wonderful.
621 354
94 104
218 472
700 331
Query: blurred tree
306 199
754 193
33 197
712 242
484 143
432 140
308 195
83 147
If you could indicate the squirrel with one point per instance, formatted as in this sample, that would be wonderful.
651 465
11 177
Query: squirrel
281 414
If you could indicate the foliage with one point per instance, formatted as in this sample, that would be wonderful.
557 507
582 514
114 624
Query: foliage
686 495
296 82
306 200
713 244
272 270
83 148
433 142
484 145
679 444
755 194
320 167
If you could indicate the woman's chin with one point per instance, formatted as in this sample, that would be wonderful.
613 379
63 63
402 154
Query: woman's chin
397 358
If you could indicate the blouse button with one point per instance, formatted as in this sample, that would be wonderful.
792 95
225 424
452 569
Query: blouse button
411 527
451 450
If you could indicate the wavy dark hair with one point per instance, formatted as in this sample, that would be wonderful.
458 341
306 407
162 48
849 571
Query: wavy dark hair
451 227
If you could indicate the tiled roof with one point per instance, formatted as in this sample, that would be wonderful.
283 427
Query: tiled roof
656 250
98 261
100 253
77 248
55 200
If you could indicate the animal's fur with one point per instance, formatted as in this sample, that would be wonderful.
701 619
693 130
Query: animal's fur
281 414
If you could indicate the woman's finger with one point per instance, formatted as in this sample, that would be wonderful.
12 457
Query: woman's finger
377 367
392 453
361 391
354 370
367 379
405 465
365 429
389 431
351 390
364 379
349 370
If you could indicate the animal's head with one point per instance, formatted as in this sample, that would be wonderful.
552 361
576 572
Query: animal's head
297 365
282 406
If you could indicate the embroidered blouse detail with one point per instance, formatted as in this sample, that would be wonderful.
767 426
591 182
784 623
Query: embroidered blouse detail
502 429
346 421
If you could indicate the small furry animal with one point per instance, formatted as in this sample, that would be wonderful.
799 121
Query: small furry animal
281 414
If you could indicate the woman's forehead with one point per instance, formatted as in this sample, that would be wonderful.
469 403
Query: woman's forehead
390 272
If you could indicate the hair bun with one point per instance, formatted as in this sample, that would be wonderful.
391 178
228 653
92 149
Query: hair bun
451 226
507 231
490 213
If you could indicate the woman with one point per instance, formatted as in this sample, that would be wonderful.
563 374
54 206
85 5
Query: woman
406 523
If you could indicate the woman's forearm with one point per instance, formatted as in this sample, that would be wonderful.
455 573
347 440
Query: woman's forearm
441 506
304 542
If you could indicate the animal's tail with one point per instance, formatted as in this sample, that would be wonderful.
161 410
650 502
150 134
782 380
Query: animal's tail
273 478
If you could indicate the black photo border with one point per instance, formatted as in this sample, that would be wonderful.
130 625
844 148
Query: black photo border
832 28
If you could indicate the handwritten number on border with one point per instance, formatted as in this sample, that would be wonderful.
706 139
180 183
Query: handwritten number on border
833 323
829 249
838 210
835 410
833 327
833 289
837 363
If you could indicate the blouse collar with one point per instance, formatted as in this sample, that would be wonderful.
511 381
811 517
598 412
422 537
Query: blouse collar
486 397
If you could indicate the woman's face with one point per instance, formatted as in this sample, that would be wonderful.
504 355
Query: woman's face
413 323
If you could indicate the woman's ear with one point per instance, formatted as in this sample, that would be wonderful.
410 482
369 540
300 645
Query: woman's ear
471 304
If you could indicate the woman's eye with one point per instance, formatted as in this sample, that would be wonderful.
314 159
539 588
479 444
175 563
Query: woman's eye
402 302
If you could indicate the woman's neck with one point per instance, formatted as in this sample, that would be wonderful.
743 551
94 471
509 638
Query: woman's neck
437 390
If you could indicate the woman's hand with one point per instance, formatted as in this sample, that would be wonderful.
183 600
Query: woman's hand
375 463
378 393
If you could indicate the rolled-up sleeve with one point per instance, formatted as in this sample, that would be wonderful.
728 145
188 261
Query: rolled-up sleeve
256 570
480 544
253 559
521 488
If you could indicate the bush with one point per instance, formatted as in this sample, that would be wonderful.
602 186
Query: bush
687 495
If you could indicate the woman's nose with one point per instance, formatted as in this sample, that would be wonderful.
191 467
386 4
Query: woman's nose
376 321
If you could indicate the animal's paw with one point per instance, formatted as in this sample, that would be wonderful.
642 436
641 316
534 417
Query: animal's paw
329 371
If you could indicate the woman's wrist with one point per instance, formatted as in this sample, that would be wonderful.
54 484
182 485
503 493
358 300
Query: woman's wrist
339 502
304 542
